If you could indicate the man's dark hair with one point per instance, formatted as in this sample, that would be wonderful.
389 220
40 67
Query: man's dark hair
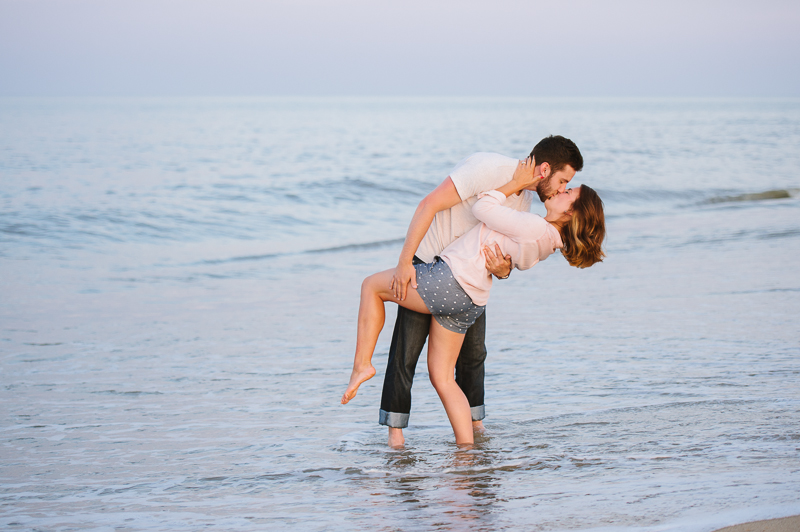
559 152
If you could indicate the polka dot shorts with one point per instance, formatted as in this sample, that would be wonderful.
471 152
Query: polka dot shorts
444 297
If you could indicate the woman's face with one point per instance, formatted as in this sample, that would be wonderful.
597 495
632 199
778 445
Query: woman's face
562 202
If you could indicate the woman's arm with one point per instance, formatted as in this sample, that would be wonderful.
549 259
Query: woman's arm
490 210
514 224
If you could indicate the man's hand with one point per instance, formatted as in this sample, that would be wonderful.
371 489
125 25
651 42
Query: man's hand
496 263
404 274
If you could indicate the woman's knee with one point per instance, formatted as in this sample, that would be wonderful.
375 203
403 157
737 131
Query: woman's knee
441 378
369 285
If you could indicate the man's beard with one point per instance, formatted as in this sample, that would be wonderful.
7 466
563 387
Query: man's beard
545 188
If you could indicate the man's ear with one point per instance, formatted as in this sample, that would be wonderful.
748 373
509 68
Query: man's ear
544 169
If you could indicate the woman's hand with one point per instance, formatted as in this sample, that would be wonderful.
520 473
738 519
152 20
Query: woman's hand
404 274
523 175
523 178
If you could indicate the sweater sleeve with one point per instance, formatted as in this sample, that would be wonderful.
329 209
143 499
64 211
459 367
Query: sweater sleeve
516 225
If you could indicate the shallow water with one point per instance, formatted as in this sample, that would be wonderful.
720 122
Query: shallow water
178 297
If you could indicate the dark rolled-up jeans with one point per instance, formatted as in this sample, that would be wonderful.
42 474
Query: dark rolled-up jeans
410 332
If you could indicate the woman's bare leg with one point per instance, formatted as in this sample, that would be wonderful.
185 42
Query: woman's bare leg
375 291
443 349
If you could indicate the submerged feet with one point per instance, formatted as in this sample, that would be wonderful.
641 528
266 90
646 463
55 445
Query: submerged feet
397 441
358 376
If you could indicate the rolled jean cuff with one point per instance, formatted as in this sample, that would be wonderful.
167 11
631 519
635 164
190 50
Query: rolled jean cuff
395 420
478 412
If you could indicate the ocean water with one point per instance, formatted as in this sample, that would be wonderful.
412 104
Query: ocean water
178 292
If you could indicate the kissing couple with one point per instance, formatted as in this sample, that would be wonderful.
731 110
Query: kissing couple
475 226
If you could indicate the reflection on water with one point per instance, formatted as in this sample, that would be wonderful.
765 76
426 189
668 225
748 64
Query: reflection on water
447 490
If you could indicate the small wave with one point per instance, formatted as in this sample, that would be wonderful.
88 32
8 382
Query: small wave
690 196
133 393
756 196
43 345
335 249
739 235
22 229
654 407
648 195
782 234
764 291
350 247
359 188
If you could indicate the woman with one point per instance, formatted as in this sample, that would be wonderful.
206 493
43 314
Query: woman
455 288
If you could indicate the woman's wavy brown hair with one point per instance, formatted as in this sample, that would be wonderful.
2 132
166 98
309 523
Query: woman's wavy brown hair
585 231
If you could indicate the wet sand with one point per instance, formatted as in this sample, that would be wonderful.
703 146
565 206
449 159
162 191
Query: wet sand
785 524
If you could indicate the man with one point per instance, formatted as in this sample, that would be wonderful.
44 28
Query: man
441 217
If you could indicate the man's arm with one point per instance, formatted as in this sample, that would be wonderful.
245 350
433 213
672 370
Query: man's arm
443 197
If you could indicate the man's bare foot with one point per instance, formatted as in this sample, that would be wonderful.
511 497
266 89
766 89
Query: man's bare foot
477 426
356 378
396 439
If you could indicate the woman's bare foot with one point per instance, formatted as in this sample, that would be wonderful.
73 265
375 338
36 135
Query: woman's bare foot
356 378
396 439
477 426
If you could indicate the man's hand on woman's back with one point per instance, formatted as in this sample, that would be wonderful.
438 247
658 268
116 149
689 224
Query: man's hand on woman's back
497 264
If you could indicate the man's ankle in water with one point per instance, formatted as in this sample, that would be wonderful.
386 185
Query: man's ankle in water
396 439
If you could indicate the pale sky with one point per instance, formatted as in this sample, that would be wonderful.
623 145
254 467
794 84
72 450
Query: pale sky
409 47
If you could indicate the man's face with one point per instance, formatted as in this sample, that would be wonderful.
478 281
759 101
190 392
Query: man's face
556 183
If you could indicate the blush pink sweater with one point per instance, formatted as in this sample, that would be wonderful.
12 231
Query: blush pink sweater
527 237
